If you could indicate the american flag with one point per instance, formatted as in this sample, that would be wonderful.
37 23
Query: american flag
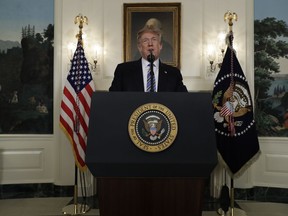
75 105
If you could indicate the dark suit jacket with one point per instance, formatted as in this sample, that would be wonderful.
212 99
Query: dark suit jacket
128 76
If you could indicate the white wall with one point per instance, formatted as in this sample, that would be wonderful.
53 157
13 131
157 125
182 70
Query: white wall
48 158
201 22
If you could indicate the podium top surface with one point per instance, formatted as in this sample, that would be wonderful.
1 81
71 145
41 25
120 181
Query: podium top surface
111 152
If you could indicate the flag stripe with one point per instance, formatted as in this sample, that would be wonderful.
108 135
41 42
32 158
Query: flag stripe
78 153
69 132
84 128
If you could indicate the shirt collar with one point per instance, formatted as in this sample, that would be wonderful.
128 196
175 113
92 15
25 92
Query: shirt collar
145 63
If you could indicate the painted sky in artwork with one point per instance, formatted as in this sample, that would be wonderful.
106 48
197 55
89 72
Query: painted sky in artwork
277 9
15 14
268 8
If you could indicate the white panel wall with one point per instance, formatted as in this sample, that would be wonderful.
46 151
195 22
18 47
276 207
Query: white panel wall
26 162
272 169
39 159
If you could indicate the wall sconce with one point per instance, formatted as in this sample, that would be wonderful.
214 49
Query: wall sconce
93 64
82 37
90 52
214 58
71 49
215 53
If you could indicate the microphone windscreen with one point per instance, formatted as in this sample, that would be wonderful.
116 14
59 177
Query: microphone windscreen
151 57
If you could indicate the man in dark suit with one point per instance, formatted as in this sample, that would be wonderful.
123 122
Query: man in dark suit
132 76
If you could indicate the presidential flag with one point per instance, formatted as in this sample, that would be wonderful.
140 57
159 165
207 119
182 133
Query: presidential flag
236 135
75 105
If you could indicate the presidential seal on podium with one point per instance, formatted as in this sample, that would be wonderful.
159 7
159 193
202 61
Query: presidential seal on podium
153 127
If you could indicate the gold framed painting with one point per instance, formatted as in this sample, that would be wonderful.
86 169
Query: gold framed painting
135 17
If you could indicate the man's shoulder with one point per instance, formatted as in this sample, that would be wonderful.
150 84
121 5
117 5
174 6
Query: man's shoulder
169 67
129 63
129 66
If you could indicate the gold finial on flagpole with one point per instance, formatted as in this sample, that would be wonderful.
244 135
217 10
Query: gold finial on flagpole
230 16
81 20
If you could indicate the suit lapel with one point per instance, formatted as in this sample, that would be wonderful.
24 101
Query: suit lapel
162 78
138 80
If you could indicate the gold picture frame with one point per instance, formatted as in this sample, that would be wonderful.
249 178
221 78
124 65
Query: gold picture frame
135 17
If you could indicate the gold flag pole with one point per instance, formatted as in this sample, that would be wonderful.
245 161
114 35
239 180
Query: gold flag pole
76 208
230 16
81 20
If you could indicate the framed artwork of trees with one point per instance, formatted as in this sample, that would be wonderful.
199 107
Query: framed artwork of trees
26 67
271 68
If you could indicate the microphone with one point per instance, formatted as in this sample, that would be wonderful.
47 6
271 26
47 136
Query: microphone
151 57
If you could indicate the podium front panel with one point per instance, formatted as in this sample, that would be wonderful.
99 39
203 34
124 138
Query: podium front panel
111 153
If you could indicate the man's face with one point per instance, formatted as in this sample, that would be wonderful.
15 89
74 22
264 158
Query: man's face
149 41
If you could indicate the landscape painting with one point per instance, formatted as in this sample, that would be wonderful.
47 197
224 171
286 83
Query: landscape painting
271 67
26 66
